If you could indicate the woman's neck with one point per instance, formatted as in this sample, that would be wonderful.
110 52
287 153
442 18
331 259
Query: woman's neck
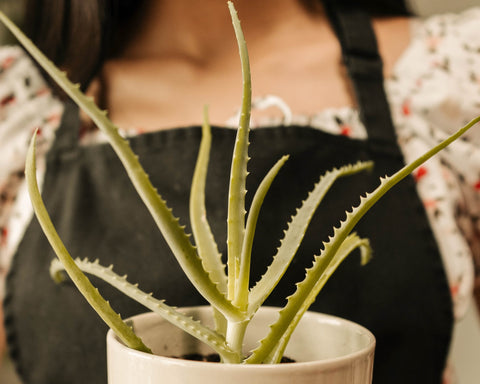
184 56
202 31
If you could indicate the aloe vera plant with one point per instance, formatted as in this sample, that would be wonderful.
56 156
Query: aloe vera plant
226 288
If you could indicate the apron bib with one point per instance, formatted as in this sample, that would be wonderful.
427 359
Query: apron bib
402 295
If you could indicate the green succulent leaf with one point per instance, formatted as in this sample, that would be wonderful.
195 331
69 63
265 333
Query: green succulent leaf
295 233
242 289
171 314
238 173
273 346
91 294
204 240
309 288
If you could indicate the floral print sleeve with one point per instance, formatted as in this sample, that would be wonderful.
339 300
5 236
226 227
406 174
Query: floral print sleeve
26 104
434 91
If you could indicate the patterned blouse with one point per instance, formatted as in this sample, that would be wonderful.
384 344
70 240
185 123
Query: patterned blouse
434 90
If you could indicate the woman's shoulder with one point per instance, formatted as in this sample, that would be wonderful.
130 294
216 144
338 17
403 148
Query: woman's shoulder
20 79
438 75
445 42
460 24
452 35
26 103
23 88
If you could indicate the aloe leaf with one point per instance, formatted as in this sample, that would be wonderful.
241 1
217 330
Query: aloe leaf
273 346
295 233
173 233
238 174
298 303
91 294
204 240
236 331
171 314
241 298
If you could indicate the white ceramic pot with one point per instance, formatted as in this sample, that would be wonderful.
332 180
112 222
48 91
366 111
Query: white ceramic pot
326 349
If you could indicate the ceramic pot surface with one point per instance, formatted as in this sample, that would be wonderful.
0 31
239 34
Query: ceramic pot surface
326 349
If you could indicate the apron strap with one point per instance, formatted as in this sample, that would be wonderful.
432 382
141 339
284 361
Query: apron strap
365 68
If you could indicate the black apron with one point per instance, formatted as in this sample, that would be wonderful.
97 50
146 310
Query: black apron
401 295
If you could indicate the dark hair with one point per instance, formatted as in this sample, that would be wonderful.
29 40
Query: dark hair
78 35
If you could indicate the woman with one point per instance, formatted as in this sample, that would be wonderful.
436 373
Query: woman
179 56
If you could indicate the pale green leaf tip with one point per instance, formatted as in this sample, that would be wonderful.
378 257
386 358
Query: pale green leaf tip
366 253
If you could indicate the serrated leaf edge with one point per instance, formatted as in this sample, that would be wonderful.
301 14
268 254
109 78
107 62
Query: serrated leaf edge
169 313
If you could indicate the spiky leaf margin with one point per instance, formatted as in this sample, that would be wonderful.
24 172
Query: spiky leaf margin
300 301
91 294
242 288
238 173
296 231
204 239
169 313
273 346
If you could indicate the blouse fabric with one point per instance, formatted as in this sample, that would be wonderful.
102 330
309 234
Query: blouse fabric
434 90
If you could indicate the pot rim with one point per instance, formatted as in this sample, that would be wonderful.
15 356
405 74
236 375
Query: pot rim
327 363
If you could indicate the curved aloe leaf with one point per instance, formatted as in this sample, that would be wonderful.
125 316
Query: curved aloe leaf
238 174
236 331
310 287
295 232
204 240
91 294
186 323
241 291
273 346
173 233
